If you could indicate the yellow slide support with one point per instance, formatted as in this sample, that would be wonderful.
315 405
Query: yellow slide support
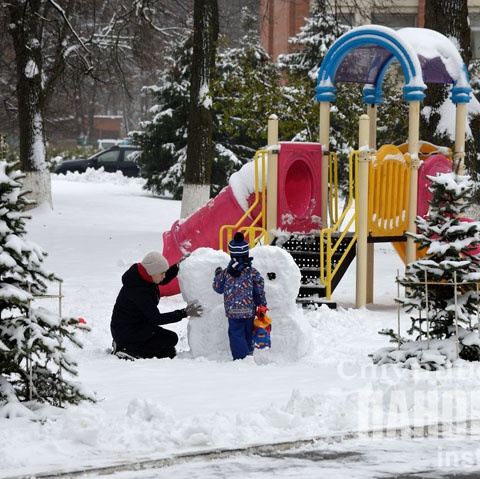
254 228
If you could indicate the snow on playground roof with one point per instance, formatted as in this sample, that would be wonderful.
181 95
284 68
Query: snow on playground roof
364 54
440 59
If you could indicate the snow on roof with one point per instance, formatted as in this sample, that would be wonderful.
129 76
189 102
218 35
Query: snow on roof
364 54
432 47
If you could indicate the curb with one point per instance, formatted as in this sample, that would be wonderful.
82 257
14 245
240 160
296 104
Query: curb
399 432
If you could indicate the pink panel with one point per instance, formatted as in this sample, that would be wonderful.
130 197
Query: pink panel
299 187
431 166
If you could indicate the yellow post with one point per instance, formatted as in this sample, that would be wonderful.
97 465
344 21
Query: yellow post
372 134
324 138
413 145
272 177
362 209
372 142
460 125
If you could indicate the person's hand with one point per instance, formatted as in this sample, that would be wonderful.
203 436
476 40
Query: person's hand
194 309
184 257
218 270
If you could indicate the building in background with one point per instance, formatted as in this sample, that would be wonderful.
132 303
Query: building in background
106 127
282 19
279 21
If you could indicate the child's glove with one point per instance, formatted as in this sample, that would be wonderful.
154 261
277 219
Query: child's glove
218 270
194 309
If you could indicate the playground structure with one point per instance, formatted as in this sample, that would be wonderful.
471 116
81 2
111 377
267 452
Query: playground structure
292 195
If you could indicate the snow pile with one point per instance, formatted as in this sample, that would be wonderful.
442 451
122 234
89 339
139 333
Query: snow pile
93 175
316 380
431 355
434 354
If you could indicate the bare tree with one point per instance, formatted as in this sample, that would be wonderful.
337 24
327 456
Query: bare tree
196 190
27 27
69 48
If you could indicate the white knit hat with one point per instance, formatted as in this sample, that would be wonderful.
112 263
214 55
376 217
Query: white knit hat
155 263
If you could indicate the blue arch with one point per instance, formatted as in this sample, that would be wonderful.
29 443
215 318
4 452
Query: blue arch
373 94
462 94
366 36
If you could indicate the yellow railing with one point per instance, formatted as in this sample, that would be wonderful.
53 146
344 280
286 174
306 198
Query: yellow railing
333 191
328 247
255 231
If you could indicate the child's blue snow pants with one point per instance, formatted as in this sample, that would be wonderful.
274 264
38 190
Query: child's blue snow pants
240 335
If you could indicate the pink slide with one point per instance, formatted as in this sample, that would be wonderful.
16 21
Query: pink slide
298 205
200 230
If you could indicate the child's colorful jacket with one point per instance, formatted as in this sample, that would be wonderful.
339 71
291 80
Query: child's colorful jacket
242 291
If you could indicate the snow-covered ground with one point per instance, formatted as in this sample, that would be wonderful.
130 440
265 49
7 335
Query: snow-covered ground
149 409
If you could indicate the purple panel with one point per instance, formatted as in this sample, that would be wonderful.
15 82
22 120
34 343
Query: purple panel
434 70
363 64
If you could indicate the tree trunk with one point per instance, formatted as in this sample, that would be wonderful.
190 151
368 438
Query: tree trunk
32 142
449 17
196 190
31 99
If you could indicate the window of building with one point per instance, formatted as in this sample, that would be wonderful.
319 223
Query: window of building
395 20
475 28
345 18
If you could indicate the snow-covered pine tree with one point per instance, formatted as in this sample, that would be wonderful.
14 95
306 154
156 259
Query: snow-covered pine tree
33 341
246 92
300 68
164 138
451 247
312 43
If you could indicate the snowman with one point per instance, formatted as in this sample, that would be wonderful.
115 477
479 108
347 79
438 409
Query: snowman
208 334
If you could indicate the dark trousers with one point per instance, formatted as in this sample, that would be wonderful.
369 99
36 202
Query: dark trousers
240 335
160 345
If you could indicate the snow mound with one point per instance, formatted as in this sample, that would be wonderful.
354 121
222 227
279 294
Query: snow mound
207 335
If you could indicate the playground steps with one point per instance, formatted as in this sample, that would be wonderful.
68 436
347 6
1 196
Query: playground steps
305 251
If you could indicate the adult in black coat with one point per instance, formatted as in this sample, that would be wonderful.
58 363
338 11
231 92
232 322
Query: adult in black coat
136 321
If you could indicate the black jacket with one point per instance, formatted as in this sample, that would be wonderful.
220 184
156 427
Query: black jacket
135 316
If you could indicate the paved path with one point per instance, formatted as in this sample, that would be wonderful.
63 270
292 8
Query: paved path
447 456
445 453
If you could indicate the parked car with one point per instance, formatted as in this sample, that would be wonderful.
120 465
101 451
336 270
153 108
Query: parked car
117 158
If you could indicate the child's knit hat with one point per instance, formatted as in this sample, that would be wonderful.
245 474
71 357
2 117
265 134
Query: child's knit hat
238 247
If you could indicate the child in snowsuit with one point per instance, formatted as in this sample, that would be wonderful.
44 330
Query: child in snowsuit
243 290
